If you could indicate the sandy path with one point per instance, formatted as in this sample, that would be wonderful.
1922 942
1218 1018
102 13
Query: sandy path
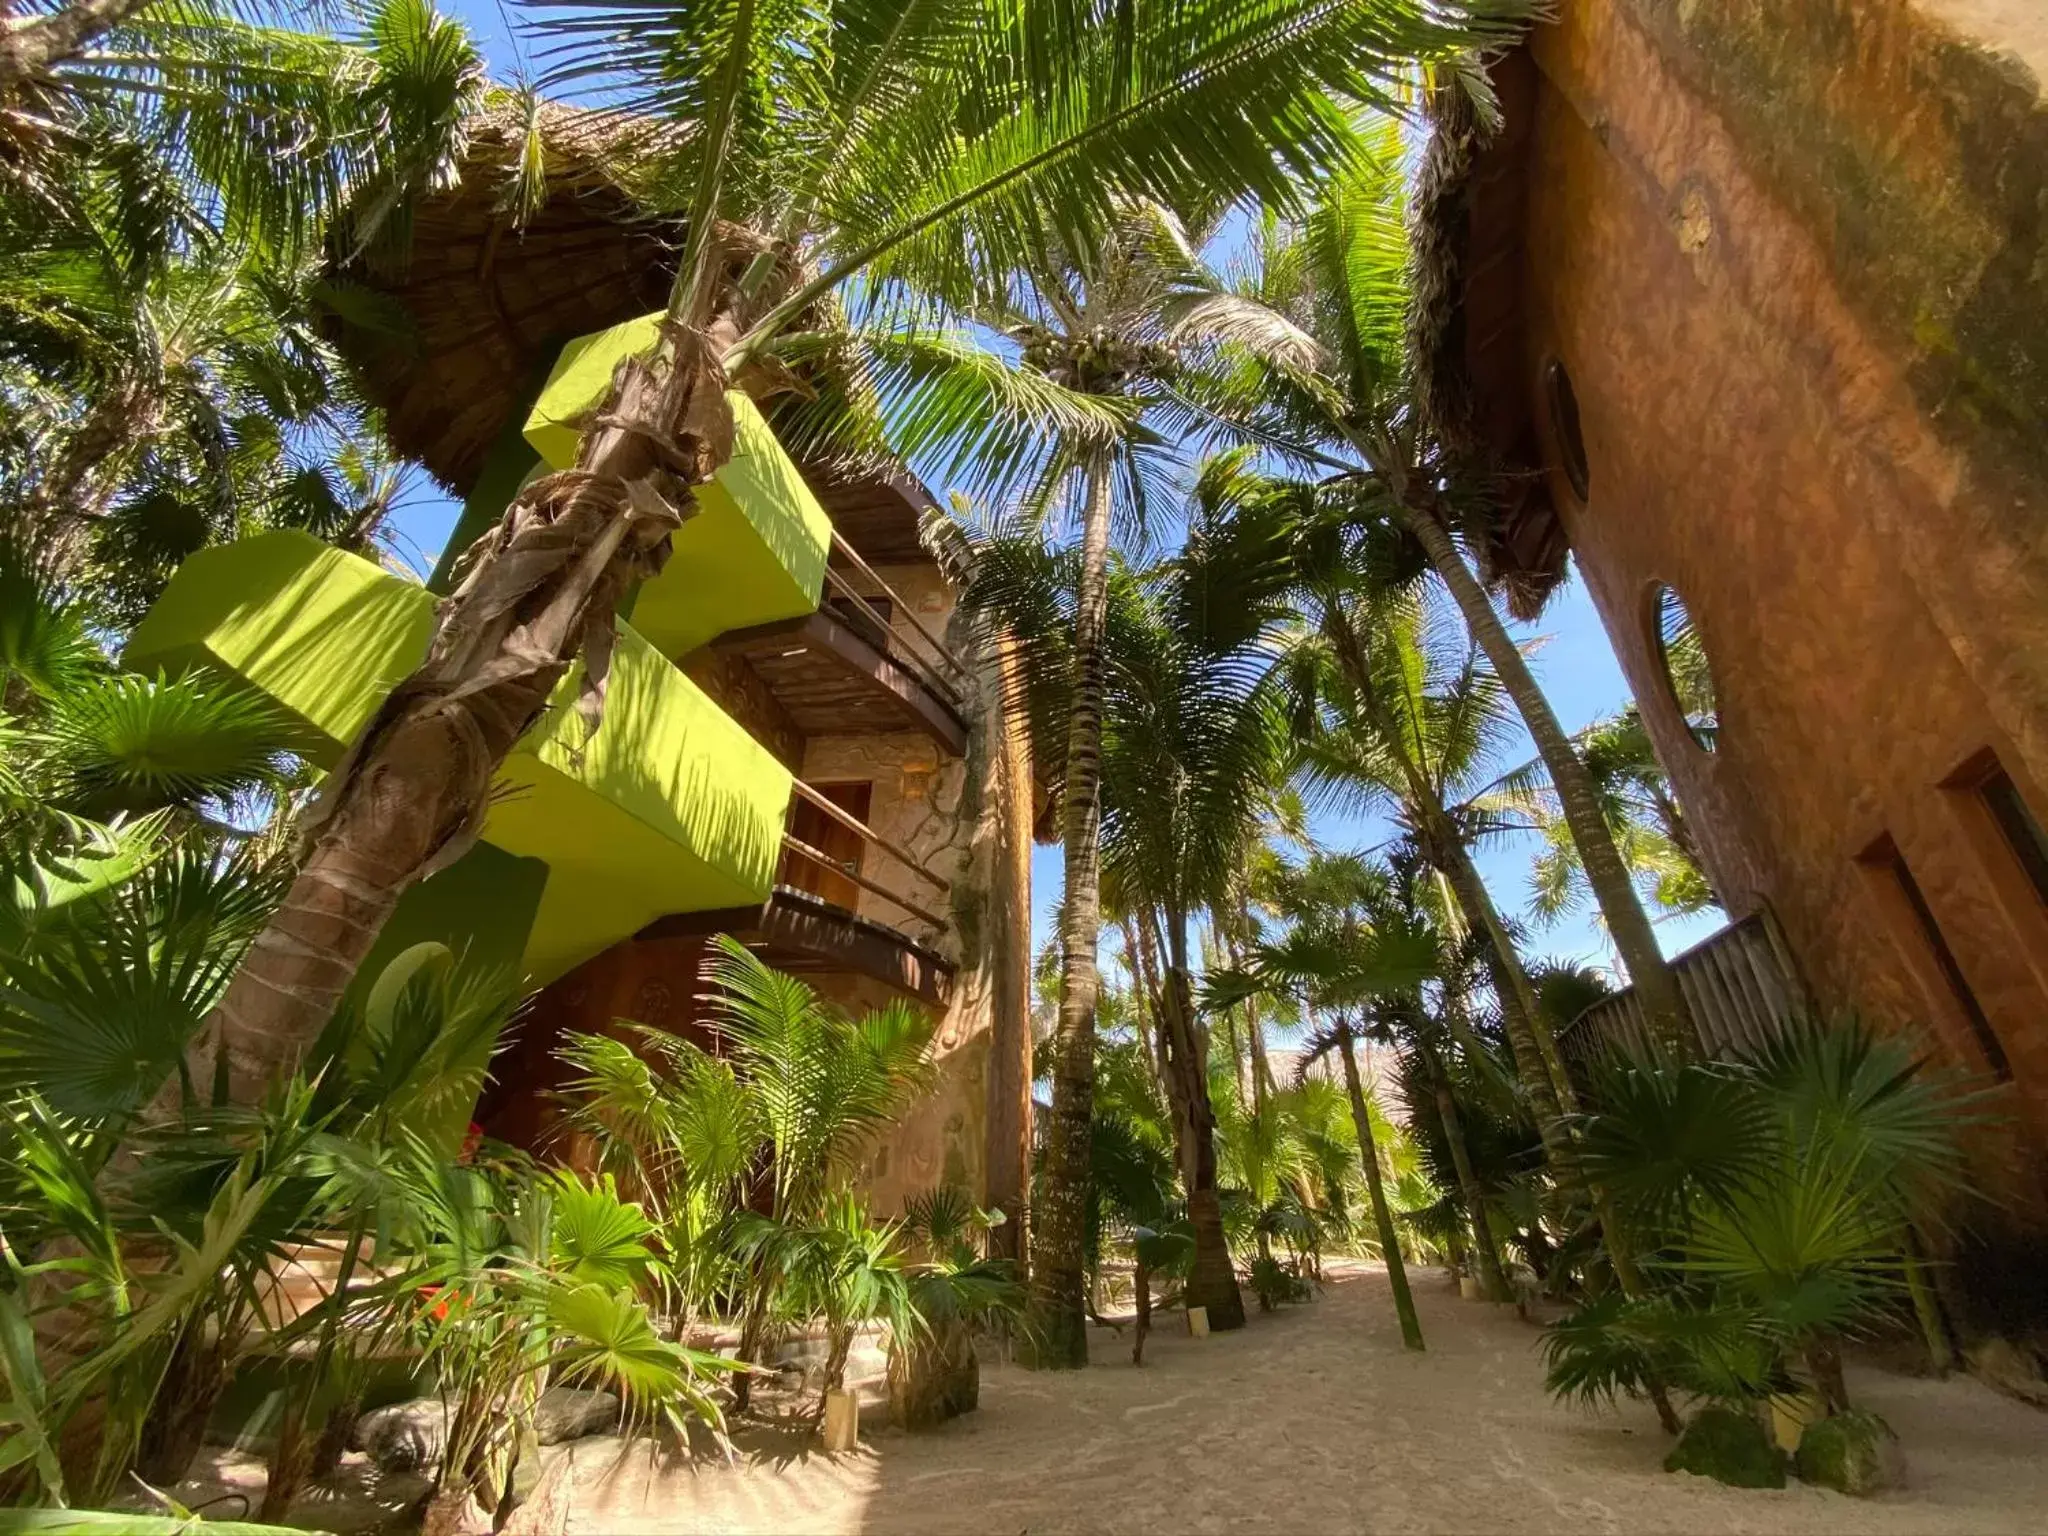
1314 1419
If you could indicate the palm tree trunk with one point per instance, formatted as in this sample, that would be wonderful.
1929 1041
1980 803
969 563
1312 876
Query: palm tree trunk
1147 1008
1468 1183
1537 1061
1824 1363
1212 1279
410 796
1060 1330
32 45
1254 1034
1155 1010
1141 1286
1248 1091
1620 906
1383 1218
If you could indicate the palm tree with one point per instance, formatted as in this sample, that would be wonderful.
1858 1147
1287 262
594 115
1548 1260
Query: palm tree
1338 964
1341 274
191 382
1650 831
1121 323
1392 708
127 893
225 120
1408 912
823 146
795 1104
160 270
1191 737
1779 1194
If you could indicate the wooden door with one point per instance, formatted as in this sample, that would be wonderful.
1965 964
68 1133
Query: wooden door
808 824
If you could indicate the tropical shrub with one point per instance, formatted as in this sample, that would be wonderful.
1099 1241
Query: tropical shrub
956 1288
138 1285
1770 1201
745 1162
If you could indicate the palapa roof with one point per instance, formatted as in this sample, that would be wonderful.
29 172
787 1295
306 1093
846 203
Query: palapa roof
1466 333
452 341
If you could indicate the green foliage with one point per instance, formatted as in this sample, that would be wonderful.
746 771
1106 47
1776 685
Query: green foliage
163 380
212 1205
1613 1346
501 1274
100 995
790 1109
1274 1283
824 1085
89 1522
1731 1446
1773 1197
1852 1453
516 1275
597 1239
1650 830
128 745
415 1051
88 743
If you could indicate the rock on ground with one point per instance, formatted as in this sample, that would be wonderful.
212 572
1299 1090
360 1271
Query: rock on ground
404 1437
570 1413
1852 1453
1729 1446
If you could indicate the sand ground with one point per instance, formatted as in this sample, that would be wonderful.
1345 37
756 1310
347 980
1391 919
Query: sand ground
1314 1419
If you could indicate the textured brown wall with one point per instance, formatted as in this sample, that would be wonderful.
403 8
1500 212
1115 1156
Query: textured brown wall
1792 255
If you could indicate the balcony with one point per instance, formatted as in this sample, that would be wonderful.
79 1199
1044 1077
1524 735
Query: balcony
849 667
753 549
810 924
1737 985
761 572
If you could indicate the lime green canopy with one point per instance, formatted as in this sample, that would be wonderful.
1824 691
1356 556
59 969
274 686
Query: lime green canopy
755 549
669 807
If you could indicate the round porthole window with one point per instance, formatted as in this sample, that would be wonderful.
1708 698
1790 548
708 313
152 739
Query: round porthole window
1564 429
1683 660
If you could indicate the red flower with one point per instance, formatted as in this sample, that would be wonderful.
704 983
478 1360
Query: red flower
441 1302
471 1140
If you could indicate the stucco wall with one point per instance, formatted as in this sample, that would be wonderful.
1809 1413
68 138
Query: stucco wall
967 820
1794 270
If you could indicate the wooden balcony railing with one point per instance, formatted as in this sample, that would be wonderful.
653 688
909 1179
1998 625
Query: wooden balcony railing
808 923
938 650
1738 985
848 870
829 669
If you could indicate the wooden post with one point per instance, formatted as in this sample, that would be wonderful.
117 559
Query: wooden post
842 1421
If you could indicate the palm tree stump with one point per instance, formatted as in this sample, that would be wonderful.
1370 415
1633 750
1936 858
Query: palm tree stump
934 1377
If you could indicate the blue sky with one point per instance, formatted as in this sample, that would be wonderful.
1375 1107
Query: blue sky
1575 663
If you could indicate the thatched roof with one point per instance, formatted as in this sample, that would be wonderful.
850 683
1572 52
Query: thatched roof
1466 333
452 342
465 326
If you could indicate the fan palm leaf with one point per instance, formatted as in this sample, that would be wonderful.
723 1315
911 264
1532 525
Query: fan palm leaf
95 1013
130 745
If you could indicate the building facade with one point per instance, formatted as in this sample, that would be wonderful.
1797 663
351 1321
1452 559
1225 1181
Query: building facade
1750 299
803 746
